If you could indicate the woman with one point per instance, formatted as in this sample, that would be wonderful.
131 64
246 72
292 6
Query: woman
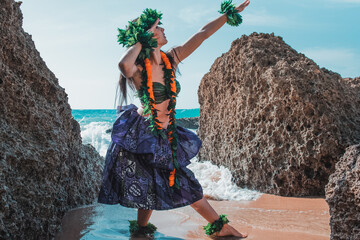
138 172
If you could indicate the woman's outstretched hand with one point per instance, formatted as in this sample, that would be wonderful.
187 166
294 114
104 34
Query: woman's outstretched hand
242 6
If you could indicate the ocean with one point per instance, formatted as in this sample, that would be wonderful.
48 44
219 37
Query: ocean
215 180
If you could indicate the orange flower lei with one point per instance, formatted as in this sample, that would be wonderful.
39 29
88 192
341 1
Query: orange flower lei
172 136
150 89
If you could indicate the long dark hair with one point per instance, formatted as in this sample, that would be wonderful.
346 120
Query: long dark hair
124 83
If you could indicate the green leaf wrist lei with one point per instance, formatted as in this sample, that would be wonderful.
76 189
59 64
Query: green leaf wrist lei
216 226
234 18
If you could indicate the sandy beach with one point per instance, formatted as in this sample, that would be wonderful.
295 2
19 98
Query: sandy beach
269 217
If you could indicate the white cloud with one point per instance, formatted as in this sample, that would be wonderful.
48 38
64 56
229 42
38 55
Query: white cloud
193 15
347 1
329 55
342 60
262 18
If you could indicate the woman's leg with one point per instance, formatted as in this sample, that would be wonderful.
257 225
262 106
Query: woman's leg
204 209
143 217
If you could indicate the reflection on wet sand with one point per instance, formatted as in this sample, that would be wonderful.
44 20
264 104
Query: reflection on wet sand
269 217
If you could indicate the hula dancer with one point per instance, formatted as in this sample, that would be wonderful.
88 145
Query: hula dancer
145 165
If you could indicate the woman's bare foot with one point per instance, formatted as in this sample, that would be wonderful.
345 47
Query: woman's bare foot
228 230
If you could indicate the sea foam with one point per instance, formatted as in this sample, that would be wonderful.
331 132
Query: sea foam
95 134
217 182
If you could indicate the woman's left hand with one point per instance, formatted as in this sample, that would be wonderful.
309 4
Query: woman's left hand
242 6
152 28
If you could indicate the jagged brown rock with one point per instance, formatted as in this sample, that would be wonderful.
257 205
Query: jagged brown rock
274 118
44 168
343 196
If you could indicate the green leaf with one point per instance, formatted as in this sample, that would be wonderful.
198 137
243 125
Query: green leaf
234 18
163 135
177 181
216 226
135 228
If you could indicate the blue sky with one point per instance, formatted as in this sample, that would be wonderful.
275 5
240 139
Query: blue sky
77 39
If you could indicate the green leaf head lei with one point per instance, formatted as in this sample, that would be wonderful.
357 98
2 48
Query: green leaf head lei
136 31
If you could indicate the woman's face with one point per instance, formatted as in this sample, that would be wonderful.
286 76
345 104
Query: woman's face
160 36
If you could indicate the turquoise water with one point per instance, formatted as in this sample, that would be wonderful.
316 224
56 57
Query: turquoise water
111 222
86 116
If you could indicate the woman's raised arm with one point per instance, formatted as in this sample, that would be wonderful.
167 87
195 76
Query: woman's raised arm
127 62
183 51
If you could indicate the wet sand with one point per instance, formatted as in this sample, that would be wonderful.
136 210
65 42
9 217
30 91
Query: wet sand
269 217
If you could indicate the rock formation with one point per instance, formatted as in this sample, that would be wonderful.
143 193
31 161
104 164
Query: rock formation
343 196
274 118
191 122
44 168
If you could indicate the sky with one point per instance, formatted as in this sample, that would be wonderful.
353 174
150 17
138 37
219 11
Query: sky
78 39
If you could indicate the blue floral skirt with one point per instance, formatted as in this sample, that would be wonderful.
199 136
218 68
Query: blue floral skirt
138 165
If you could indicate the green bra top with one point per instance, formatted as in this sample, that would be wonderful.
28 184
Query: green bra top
159 90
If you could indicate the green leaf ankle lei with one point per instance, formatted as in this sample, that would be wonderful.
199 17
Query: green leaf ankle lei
216 226
234 18
135 228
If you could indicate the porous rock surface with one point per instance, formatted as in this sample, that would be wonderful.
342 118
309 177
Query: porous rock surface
44 168
343 196
274 118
